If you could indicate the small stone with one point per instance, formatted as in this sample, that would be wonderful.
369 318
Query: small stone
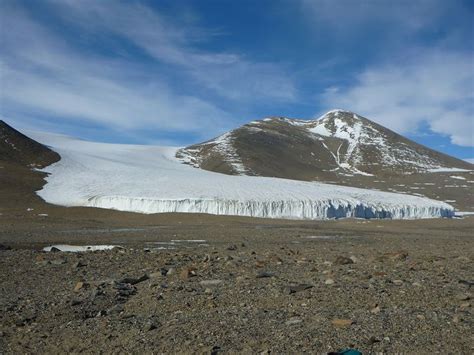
354 259
215 350
264 274
329 282
298 288
134 280
210 282
208 291
463 297
232 247
54 250
117 309
75 302
79 264
58 261
416 284
342 323
293 320
80 285
372 340
397 282
421 317
187 273
150 325
5 247
342 260
465 305
375 310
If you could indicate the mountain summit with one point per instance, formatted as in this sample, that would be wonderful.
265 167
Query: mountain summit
338 144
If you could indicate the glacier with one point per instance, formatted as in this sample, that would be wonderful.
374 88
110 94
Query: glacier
150 179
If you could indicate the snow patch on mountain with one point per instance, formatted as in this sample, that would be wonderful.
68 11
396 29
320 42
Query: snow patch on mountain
223 145
149 179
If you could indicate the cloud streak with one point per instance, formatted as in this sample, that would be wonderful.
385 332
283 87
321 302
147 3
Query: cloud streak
44 74
434 87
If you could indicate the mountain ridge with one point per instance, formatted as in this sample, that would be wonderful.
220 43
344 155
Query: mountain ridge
338 143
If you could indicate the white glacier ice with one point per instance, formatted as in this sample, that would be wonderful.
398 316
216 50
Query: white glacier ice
149 179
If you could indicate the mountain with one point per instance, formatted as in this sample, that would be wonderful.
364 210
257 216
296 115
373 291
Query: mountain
339 144
20 156
19 149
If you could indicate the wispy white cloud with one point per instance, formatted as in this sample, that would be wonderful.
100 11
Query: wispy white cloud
42 73
435 88
228 74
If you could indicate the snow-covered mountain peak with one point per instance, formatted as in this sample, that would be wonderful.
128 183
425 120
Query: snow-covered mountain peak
340 142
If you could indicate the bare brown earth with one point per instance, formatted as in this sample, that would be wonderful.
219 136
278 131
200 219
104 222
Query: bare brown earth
244 285
252 285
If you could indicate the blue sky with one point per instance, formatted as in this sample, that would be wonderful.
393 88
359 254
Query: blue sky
178 72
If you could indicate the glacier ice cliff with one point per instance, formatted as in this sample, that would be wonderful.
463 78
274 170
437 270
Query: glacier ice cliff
149 179
290 209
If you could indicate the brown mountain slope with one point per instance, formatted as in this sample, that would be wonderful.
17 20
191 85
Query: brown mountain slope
342 148
17 148
340 143
19 156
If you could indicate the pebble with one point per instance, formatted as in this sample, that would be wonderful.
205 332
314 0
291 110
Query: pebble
79 286
210 282
264 274
329 282
79 264
187 273
375 310
397 282
463 297
298 288
342 260
294 320
134 280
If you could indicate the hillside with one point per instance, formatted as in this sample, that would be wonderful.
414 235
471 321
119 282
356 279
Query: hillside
340 143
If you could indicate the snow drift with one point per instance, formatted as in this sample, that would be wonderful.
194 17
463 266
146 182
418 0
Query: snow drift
149 179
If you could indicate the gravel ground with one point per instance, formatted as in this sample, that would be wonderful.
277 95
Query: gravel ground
244 286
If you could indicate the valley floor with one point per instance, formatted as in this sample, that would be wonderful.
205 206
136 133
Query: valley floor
243 285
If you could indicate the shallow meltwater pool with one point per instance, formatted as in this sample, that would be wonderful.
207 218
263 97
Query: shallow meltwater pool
78 248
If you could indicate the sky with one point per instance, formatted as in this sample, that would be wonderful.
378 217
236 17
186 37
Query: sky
177 72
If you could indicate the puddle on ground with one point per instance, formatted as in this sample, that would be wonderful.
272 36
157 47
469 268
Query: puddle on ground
80 248
178 243
320 237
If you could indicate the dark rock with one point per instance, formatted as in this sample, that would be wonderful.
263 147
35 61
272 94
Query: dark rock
117 309
133 280
58 261
79 264
264 274
5 247
187 273
75 302
342 260
298 288
467 283
232 247
215 350
55 250
372 340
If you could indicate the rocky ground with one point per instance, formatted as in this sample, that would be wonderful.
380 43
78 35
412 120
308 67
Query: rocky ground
242 285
